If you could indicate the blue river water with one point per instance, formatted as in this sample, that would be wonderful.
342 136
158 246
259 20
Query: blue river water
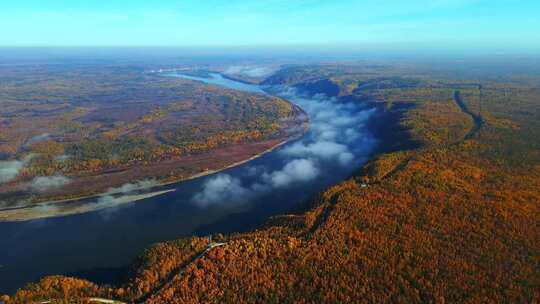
97 245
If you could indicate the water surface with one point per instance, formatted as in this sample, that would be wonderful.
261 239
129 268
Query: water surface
93 245
218 79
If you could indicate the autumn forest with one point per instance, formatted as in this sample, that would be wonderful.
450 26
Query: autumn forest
446 210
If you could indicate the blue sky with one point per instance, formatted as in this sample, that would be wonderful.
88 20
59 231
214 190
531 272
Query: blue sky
434 24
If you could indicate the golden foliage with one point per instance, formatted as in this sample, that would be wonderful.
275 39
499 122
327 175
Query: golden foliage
455 221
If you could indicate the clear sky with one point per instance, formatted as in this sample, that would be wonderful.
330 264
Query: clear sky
430 23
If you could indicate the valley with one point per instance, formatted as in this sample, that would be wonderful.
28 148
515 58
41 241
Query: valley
272 152
444 209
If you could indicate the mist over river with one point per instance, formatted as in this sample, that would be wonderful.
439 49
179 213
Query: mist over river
98 245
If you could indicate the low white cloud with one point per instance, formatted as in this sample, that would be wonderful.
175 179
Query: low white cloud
351 135
335 129
345 158
251 71
44 183
119 196
220 189
337 138
10 169
226 189
298 170
325 150
252 171
131 187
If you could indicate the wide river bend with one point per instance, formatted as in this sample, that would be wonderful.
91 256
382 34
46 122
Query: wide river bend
99 245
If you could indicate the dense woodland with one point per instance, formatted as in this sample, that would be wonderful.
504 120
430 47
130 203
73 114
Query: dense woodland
455 220
78 121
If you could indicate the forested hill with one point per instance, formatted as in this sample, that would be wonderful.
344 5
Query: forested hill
455 220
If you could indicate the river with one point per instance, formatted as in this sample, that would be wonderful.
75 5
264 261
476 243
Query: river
99 245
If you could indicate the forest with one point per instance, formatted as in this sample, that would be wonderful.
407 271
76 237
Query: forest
446 212
77 123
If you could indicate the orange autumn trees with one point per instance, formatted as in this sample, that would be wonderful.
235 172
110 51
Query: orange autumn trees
93 122
453 221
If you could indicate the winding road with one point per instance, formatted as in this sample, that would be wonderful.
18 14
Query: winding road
178 272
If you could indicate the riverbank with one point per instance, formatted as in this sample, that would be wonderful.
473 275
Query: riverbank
253 192
213 162
92 202
43 211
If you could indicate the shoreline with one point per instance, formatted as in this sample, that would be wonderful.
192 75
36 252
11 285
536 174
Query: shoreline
235 164
57 210
77 203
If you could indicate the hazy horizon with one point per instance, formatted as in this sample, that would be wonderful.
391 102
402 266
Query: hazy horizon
500 26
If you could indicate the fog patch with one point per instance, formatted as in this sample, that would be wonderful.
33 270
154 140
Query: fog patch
107 205
9 170
44 183
252 171
337 139
251 71
131 187
226 189
118 196
325 150
296 171
345 158
220 189
337 129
